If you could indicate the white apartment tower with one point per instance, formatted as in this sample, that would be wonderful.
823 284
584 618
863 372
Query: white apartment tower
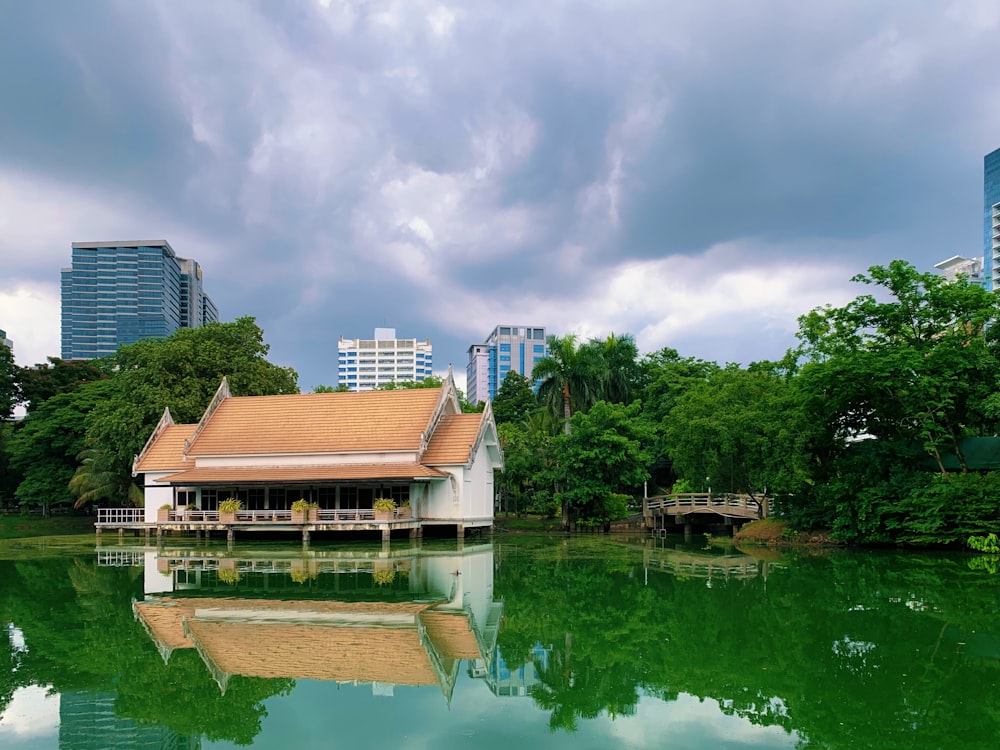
366 364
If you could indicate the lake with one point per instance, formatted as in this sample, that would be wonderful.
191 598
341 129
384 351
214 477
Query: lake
523 642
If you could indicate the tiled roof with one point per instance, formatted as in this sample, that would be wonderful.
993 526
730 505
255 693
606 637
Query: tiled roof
316 652
318 423
247 640
451 634
346 472
453 439
167 451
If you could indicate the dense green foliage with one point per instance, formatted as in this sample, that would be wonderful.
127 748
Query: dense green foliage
9 385
893 651
86 421
862 429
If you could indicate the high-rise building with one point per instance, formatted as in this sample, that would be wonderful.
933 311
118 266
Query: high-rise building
507 348
117 293
991 219
955 266
4 341
366 364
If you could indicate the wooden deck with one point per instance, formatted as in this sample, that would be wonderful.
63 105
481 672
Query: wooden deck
325 520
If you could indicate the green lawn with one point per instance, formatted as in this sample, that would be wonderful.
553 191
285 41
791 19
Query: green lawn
20 527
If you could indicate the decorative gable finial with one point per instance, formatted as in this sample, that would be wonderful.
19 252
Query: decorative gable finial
220 395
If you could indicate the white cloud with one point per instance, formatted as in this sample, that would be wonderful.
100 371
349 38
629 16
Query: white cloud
30 313
664 300
32 712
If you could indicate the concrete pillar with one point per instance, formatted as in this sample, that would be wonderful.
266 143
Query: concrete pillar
121 535
688 530
230 535
386 533
98 533
305 537
460 530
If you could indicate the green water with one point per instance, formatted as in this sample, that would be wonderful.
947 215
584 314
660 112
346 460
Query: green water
525 642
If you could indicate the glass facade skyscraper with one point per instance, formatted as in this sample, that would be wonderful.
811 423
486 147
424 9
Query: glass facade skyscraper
507 348
991 219
117 293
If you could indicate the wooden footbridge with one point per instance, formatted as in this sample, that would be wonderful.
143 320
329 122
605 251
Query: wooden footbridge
705 508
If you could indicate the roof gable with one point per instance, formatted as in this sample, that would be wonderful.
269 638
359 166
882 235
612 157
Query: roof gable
453 440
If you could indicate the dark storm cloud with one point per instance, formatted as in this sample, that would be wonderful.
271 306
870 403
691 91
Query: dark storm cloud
337 166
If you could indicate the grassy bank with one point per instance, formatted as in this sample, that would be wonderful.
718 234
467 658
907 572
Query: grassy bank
21 527
772 532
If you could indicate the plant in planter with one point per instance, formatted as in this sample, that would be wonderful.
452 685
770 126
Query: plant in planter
163 513
385 508
228 509
303 510
383 577
230 577
404 510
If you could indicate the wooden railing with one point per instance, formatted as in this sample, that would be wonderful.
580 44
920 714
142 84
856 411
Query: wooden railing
120 516
133 516
324 515
692 502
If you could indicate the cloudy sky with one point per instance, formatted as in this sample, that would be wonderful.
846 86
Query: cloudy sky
695 172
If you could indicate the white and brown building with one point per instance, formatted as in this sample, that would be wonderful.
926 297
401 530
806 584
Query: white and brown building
339 451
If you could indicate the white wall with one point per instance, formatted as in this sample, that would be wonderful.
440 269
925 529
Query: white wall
156 495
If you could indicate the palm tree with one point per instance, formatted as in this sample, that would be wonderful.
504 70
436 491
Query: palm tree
571 377
95 480
621 368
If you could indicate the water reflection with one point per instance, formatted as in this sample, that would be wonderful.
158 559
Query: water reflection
383 618
561 643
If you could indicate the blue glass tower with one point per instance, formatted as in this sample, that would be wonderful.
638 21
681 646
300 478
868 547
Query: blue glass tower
506 349
117 293
991 219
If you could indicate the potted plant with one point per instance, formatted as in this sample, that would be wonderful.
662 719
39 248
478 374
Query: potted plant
228 509
404 510
163 513
302 510
385 508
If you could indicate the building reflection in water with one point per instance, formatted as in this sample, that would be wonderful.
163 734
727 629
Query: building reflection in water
384 617
87 721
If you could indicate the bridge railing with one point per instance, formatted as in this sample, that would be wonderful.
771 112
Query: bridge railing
692 501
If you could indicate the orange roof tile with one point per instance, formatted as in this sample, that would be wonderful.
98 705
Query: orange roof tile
250 474
451 634
319 651
164 620
318 423
316 652
453 439
167 452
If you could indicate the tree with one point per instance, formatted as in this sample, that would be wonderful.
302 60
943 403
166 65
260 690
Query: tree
621 371
181 372
514 399
601 463
740 431
340 388
571 377
9 391
524 485
44 449
42 382
904 378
